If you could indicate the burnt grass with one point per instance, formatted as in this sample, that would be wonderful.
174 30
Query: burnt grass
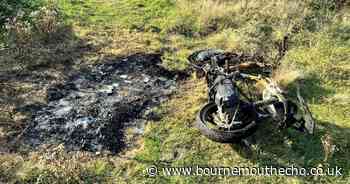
91 109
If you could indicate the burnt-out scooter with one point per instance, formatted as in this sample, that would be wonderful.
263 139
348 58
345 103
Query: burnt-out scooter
241 96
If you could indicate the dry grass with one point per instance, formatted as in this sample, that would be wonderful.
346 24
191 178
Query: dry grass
206 16
190 25
286 75
217 15
340 99
53 165
125 42
227 39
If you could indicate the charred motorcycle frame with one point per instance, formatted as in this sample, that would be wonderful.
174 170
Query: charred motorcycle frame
241 96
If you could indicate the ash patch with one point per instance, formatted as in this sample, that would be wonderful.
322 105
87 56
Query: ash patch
90 110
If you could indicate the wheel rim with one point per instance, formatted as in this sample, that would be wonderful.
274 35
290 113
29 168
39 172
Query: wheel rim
207 118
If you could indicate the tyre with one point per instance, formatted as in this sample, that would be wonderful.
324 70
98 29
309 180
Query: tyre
235 134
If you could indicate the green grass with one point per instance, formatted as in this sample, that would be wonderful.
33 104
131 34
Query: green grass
179 144
319 48
134 14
